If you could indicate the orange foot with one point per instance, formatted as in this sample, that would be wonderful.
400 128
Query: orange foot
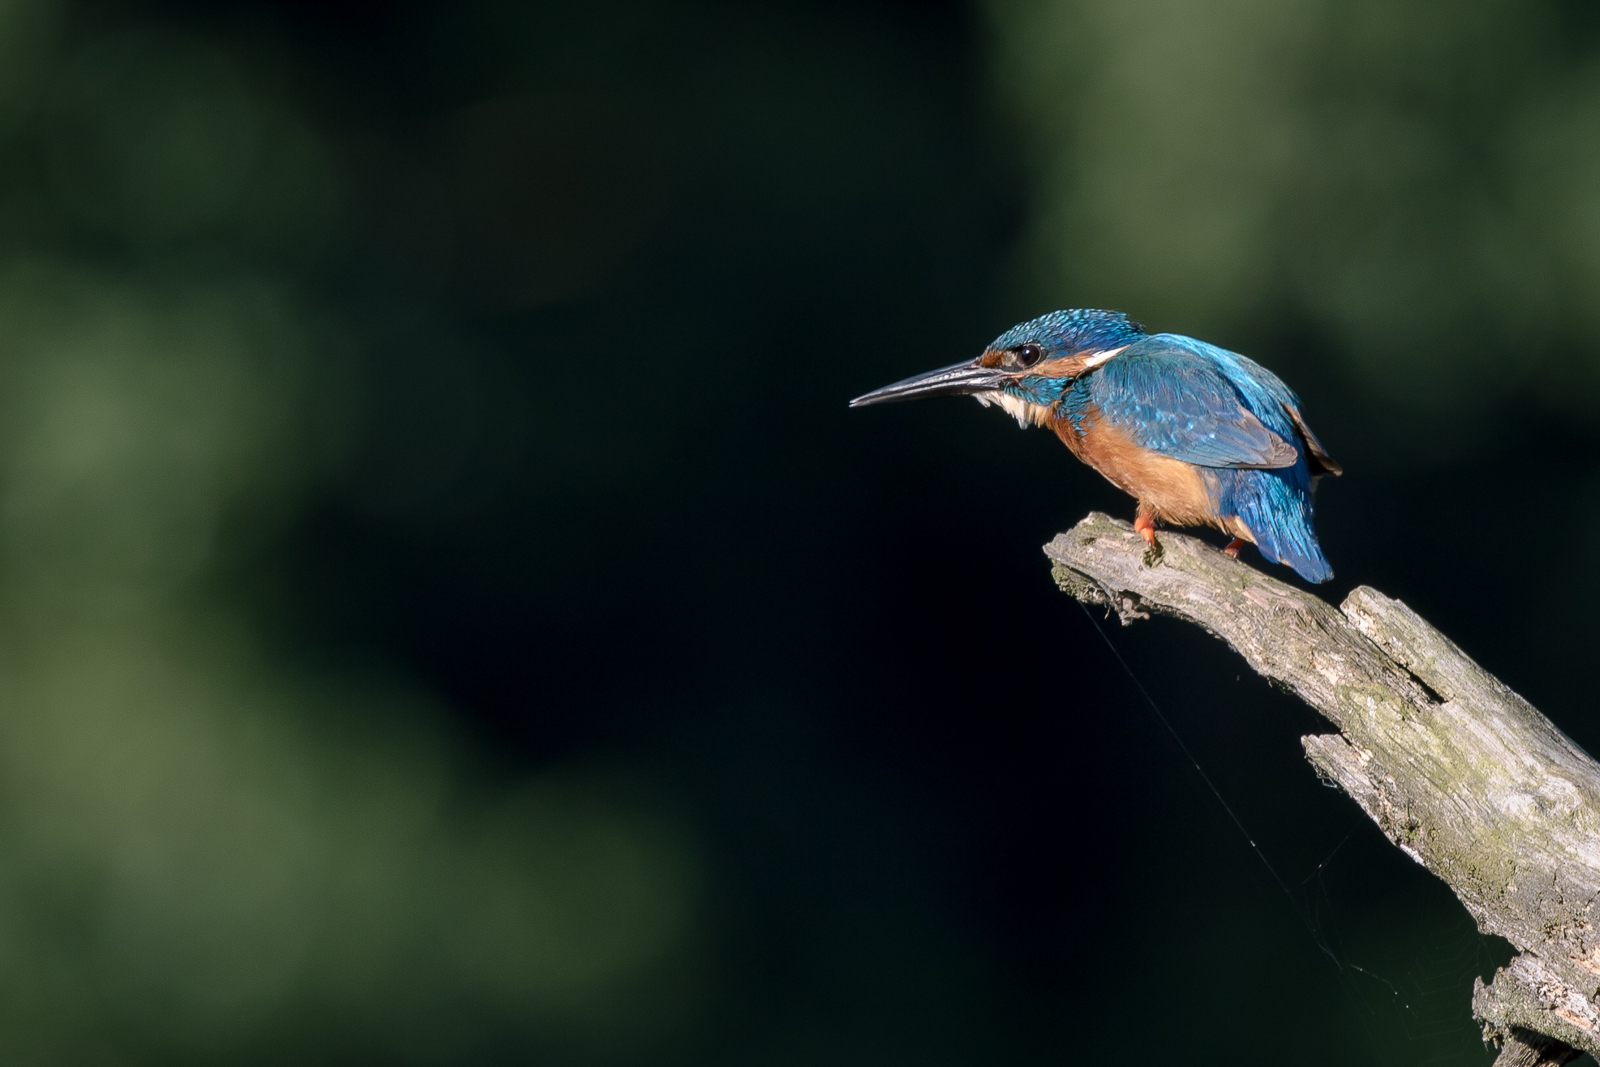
1146 528
1234 546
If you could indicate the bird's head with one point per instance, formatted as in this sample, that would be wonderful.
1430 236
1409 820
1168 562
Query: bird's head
1026 369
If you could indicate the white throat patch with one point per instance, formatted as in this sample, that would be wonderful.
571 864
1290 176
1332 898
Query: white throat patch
1025 413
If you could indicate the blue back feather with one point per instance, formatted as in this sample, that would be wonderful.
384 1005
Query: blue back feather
1186 404
1189 400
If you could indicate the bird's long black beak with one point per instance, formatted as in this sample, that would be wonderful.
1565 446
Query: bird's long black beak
959 379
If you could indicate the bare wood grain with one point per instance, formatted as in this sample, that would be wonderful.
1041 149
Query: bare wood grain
1458 771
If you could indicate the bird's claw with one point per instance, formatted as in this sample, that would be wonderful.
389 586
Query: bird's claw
1153 554
1145 527
1234 546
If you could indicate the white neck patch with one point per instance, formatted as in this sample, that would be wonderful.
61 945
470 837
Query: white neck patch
1100 357
1025 413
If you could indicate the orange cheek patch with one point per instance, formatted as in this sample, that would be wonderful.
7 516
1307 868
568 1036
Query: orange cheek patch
991 358
1064 367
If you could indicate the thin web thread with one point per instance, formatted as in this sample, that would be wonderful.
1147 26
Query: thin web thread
1206 778
1302 905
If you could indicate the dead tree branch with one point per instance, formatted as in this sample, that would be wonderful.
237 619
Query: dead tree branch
1461 773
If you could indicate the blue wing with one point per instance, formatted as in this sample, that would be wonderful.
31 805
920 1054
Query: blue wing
1196 402
1217 409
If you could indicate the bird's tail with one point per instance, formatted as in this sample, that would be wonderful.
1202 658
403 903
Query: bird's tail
1276 506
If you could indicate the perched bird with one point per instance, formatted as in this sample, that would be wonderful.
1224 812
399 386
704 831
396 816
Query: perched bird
1200 436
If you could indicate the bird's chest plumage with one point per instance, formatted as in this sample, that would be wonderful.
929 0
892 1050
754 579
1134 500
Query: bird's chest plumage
1169 488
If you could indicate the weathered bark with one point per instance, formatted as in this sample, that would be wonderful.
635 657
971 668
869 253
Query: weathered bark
1523 1048
1461 773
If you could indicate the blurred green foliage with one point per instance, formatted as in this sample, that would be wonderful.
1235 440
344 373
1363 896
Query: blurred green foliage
1417 183
203 848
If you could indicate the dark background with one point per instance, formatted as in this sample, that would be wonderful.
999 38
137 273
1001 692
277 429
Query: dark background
449 614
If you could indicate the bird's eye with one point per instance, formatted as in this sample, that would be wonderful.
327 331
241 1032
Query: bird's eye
1029 354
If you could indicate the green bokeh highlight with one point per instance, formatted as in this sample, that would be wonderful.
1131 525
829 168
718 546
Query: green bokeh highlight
1416 182
208 853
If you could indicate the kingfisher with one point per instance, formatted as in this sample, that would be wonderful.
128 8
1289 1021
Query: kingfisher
1198 435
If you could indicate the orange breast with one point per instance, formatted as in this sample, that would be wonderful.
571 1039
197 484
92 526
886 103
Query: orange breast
1167 488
